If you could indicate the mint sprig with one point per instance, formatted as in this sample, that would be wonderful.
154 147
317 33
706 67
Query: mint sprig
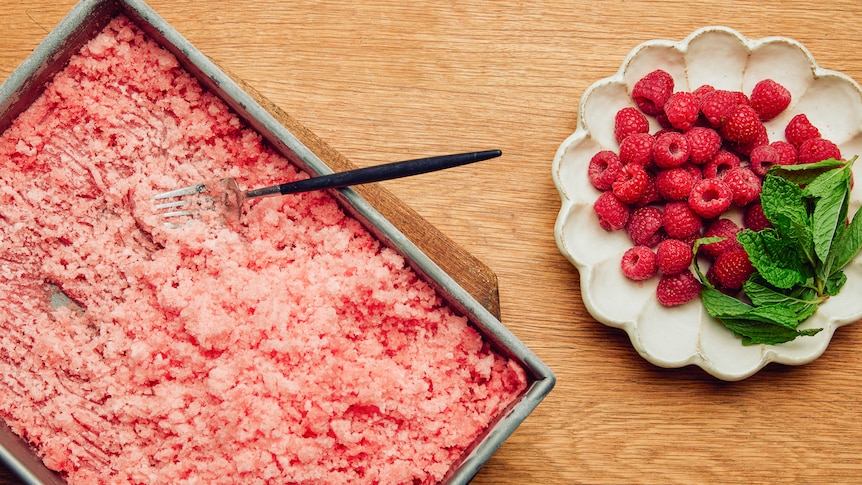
799 261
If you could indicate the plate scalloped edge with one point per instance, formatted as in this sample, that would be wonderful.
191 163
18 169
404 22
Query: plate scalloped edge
710 346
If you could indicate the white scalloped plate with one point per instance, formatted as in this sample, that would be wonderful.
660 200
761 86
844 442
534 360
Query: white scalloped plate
686 335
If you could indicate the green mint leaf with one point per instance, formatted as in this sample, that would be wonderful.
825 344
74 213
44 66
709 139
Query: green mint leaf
786 314
760 292
754 333
835 283
775 259
827 183
829 212
831 191
786 206
848 243
803 174
783 204
783 315
722 306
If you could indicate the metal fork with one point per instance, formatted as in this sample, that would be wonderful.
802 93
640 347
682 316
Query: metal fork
225 197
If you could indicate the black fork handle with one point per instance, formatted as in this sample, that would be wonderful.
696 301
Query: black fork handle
377 173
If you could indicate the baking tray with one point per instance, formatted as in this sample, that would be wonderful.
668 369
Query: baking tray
468 286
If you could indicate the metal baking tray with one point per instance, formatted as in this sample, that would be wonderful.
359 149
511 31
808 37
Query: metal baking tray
89 17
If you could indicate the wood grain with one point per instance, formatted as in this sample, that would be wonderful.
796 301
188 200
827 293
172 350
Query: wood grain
382 80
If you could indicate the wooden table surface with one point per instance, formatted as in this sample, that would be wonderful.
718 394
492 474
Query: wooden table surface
382 80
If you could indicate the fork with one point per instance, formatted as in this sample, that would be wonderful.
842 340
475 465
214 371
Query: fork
224 196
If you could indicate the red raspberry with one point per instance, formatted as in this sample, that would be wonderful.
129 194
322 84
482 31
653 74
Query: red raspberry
762 158
651 194
639 263
693 170
670 150
637 148
741 98
604 168
732 268
674 290
717 105
753 218
710 276
645 226
703 144
680 221
744 185
630 183
787 154
725 228
709 198
720 163
674 183
800 129
663 122
817 149
628 121
742 125
701 91
651 92
761 138
612 213
681 110
673 256
769 99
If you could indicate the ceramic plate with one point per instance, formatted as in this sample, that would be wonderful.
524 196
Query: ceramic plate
686 335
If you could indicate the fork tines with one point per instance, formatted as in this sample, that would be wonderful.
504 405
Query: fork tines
182 192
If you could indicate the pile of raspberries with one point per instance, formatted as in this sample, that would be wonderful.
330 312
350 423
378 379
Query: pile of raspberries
669 188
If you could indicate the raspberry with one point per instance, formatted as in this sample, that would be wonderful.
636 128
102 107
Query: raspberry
673 256
703 144
644 226
652 91
787 154
717 105
741 98
604 168
680 221
742 125
720 163
816 149
732 268
753 218
761 138
650 194
637 148
674 290
670 150
628 121
630 183
693 170
700 92
725 228
709 198
674 183
744 185
639 263
762 158
681 110
612 213
769 99
800 129
663 122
